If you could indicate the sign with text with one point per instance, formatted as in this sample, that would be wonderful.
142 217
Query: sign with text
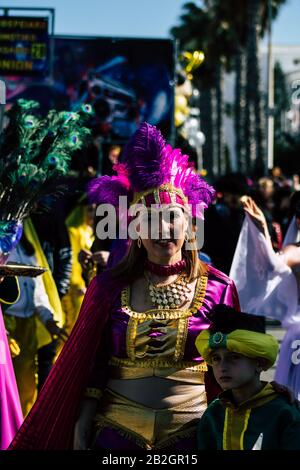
23 45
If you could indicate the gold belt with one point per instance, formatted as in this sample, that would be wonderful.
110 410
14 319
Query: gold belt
150 428
193 375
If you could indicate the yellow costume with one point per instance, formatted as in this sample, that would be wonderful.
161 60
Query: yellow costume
81 238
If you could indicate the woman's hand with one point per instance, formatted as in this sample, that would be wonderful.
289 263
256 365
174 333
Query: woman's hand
83 426
256 214
101 258
85 257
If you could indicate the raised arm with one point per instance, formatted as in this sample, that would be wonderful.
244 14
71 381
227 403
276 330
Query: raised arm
257 216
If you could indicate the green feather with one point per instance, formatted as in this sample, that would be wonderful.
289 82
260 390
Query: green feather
35 152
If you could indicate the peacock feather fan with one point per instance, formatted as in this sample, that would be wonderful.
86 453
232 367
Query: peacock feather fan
35 152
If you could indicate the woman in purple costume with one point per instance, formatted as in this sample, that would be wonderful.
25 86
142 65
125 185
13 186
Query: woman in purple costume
130 376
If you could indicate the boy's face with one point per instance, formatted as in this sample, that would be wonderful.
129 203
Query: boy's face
232 370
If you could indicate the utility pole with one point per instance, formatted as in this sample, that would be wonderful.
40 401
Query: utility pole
2 103
270 94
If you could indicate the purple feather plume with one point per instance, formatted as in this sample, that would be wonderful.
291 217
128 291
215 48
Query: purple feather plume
148 163
181 174
143 158
107 189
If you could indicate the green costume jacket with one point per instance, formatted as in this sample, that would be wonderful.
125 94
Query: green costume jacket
264 422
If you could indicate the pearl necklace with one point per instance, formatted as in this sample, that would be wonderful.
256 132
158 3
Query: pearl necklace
168 296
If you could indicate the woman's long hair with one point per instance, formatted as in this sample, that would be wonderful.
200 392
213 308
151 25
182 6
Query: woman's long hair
131 266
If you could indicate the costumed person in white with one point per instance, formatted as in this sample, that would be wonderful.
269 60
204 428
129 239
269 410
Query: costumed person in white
268 284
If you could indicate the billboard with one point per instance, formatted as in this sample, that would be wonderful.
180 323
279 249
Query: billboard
23 46
127 81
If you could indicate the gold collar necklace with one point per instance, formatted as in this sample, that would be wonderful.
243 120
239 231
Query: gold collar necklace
168 296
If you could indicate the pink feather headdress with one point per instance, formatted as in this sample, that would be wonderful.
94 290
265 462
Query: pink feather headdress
152 172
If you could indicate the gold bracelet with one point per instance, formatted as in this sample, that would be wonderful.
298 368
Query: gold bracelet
93 393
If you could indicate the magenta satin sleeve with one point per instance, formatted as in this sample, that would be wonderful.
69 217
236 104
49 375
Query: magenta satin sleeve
220 289
231 297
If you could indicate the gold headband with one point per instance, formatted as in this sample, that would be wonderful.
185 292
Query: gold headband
166 187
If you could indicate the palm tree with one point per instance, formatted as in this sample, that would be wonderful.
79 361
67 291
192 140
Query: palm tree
192 34
281 100
257 21
201 29
248 21
236 15
228 33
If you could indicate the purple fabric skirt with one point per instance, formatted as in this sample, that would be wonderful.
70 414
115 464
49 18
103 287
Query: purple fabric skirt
109 438
10 409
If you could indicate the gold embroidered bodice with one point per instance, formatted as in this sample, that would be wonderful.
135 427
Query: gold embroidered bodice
156 339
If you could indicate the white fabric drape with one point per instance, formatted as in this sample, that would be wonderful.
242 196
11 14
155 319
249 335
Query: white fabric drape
267 286
292 234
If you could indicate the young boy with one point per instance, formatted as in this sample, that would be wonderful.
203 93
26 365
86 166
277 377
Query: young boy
248 414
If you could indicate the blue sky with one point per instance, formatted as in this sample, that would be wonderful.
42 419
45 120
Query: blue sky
141 18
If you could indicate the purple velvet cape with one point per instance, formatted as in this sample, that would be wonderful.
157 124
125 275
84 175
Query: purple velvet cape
50 423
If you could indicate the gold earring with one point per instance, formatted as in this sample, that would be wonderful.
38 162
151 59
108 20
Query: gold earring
139 242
